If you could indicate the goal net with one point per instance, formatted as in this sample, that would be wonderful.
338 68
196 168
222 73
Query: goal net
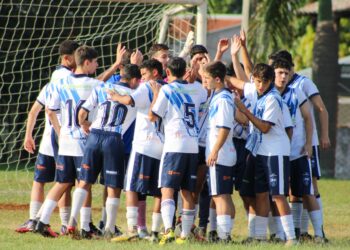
31 31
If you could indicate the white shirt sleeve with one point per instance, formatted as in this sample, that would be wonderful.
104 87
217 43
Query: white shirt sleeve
309 88
301 96
272 110
249 91
142 97
42 96
161 104
92 100
225 115
54 102
287 119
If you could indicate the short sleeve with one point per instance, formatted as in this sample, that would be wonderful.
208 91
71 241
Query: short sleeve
249 91
287 119
309 88
92 100
161 104
142 97
54 102
301 97
42 96
225 115
272 110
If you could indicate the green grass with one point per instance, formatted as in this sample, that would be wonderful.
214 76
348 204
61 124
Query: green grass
15 189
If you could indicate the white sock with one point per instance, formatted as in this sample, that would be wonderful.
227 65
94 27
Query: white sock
79 196
280 234
304 227
111 210
224 224
131 217
38 215
104 215
196 208
85 218
48 207
251 225
319 201
179 204
232 224
34 208
212 219
260 227
156 222
187 221
168 211
297 210
316 220
272 225
64 215
288 226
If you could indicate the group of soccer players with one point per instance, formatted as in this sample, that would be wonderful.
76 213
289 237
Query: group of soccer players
186 133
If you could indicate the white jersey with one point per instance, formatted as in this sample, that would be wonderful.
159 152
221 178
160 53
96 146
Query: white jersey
294 99
43 98
203 121
221 115
269 107
71 93
178 105
149 136
309 88
111 116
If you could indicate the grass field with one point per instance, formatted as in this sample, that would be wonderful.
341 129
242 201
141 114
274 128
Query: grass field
14 197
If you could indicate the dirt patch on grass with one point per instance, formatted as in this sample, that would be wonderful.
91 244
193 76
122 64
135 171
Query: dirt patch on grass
13 206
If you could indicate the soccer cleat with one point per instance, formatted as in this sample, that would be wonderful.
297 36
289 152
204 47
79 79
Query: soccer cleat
320 240
45 230
63 230
247 241
182 241
108 235
228 240
290 243
95 230
129 236
154 237
213 236
199 234
117 231
101 225
168 237
28 226
305 237
142 233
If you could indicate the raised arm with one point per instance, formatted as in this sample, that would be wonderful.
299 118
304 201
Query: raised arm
188 45
222 46
247 63
235 47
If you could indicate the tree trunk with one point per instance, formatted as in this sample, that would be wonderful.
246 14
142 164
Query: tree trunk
325 73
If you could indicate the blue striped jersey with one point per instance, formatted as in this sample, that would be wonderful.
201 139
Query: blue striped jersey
178 105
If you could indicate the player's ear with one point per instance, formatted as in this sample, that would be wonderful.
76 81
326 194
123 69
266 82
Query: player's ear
154 73
168 72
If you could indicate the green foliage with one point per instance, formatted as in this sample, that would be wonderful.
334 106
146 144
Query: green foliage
344 37
302 49
225 6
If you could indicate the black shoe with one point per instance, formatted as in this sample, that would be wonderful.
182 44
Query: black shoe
117 231
101 225
213 236
45 230
228 240
95 230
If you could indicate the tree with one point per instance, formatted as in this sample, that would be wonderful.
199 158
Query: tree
325 72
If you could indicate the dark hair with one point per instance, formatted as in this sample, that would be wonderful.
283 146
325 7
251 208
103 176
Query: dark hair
130 71
263 72
177 66
85 53
282 54
152 64
157 47
281 63
68 47
230 71
216 69
197 49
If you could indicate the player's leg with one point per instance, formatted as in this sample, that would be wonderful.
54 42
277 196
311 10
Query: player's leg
64 205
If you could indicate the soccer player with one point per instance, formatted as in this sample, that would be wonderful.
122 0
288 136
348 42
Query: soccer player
143 167
71 92
316 103
104 149
269 148
177 103
160 52
220 151
45 163
301 148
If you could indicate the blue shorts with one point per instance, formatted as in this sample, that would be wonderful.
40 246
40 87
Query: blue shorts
126 160
142 174
104 151
201 156
67 168
239 168
44 168
300 177
178 171
315 162
220 180
266 174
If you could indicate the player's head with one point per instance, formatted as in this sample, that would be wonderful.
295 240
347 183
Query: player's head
176 68
131 74
86 58
214 75
160 52
284 54
198 54
263 75
66 50
282 70
151 70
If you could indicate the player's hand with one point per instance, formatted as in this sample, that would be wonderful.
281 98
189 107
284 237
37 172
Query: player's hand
325 143
307 150
238 102
223 45
242 38
155 87
86 128
235 45
29 144
112 95
136 57
212 158
120 53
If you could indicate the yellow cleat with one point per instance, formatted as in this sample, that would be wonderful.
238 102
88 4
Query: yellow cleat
168 237
130 236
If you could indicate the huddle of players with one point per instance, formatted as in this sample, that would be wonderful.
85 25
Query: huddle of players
192 122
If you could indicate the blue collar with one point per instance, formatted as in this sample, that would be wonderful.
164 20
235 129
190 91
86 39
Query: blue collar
161 81
79 75
272 85
62 66
180 81
124 84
